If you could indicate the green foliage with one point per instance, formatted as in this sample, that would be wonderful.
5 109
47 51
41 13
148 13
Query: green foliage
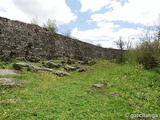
2 64
156 69
35 21
46 96
147 53
35 25
50 25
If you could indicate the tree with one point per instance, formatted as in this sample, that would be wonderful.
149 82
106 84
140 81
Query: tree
120 44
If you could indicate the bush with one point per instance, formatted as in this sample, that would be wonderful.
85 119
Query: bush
147 54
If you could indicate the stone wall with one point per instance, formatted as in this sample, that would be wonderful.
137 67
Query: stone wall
18 39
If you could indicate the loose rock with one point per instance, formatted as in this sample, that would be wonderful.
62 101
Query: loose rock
3 80
7 72
69 68
98 85
9 85
70 61
115 94
88 62
91 62
21 58
18 66
36 68
12 100
52 64
33 59
61 74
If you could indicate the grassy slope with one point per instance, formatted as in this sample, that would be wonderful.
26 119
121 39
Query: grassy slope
46 96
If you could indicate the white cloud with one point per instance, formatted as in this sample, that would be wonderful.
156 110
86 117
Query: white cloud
105 34
10 11
93 5
134 11
25 10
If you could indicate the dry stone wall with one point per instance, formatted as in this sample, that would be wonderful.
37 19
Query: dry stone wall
18 39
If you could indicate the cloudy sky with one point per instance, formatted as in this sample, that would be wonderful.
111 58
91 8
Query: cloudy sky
94 21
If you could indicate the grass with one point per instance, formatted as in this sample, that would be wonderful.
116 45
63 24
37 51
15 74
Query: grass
48 97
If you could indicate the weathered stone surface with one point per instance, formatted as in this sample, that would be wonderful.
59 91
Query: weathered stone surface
83 70
61 73
21 58
9 85
7 72
33 59
88 62
69 68
92 62
30 67
18 66
98 85
52 64
3 80
36 68
114 94
77 66
70 61
18 39
12 100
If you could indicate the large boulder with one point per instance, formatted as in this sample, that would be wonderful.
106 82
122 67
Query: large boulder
19 66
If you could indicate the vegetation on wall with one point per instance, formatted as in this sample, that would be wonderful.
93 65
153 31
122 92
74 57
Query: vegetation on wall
50 25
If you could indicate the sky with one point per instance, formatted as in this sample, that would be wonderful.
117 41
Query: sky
94 21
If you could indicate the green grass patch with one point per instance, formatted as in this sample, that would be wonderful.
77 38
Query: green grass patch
46 96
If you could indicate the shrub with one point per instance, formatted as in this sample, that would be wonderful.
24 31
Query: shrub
50 25
146 53
34 22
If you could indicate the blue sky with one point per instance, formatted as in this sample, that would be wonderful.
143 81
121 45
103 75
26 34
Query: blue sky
94 21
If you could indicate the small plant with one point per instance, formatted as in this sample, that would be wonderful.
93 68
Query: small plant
35 22
51 25
99 45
